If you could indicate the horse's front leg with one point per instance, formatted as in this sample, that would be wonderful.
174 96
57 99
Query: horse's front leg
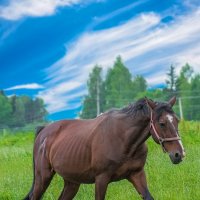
139 182
101 184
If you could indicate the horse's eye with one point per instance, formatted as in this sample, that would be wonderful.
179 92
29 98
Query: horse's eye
162 124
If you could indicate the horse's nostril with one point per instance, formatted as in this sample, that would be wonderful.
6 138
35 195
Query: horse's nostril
176 155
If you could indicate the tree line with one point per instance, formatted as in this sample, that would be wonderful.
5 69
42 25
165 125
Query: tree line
116 89
18 111
119 88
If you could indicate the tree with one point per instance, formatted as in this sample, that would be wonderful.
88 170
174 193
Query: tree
39 110
184 89
5 109
171 82
29 109
18 112
183 81
93 103
156 94
139 85
118 85
195 99
34 110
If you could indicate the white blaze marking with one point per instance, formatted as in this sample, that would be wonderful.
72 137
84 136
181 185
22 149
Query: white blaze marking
170 118
180 142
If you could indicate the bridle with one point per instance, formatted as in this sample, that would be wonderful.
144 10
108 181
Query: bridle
160 139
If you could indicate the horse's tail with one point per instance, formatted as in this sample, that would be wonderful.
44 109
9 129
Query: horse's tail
28 196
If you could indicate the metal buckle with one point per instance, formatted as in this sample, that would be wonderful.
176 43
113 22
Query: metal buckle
161 140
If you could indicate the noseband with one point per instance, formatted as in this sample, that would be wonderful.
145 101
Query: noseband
160 139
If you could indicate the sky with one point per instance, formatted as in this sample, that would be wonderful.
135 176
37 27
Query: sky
48 47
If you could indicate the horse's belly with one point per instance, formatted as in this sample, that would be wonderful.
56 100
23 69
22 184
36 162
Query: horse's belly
74 170
71 159
126 169
85 177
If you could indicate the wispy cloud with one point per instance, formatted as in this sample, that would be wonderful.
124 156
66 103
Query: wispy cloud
58 97
192 4
146 45
17 9
99 20
101 47
30 86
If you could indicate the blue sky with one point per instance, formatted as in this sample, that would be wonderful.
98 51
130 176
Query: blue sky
48 47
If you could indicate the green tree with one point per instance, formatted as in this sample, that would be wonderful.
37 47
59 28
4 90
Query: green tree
183 80
93 103
184 89
171 81
5 110
34 109
139 85
18 112
156 94
39 111
29 109
118 85
195 99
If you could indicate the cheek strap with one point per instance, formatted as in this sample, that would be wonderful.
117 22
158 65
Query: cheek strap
160 139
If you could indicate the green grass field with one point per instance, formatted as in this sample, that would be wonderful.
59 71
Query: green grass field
166 181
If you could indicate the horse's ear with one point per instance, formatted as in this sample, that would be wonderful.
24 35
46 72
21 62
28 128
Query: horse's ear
172 101
150 103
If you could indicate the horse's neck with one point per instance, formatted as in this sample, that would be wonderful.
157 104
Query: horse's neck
136 135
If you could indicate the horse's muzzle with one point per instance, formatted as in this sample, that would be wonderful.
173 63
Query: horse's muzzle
175 157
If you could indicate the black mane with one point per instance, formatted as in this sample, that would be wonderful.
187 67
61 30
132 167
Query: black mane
141 109
135 109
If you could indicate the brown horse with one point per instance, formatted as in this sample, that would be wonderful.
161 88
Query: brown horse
108 148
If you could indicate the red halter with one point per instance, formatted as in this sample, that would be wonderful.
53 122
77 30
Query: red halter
160 139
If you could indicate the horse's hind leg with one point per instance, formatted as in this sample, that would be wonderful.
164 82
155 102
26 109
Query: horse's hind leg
43 175
42 181
69 191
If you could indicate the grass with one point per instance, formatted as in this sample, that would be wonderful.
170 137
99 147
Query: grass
166 181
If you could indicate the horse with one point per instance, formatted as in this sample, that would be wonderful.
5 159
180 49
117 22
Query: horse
108 148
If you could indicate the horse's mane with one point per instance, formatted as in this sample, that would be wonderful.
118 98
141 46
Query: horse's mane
141 109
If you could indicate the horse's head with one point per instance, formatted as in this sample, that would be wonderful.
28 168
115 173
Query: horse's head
164 129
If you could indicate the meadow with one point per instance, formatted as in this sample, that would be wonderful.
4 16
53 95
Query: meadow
166 181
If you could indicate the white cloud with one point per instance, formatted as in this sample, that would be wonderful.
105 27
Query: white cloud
17 9
146 45
142 35
192 4
101 47
57 97
99 20
31 86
